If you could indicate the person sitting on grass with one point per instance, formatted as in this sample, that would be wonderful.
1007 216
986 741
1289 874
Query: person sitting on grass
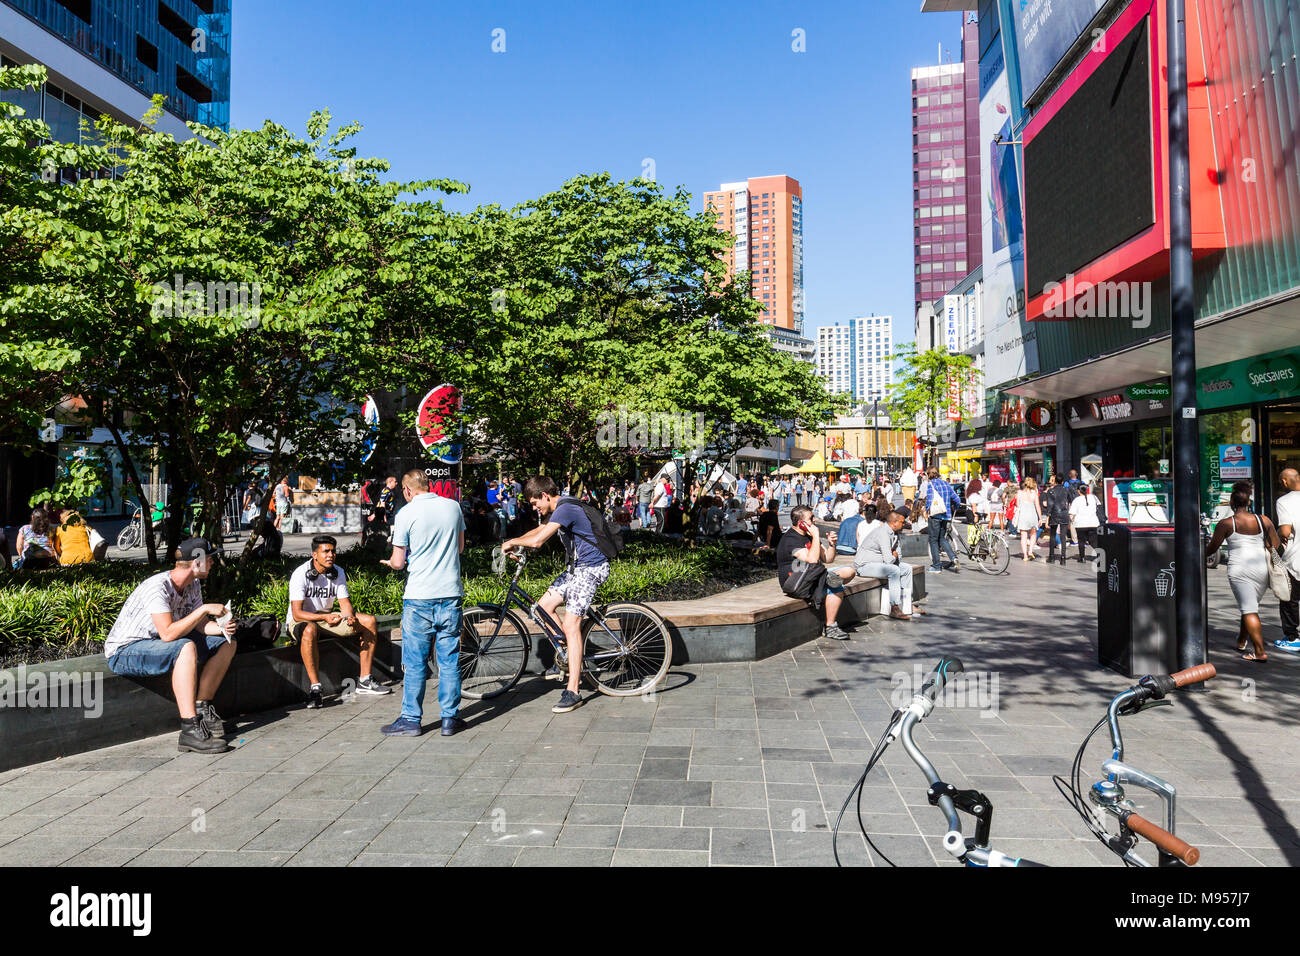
314 587
38 546
78 542
164 626
810 580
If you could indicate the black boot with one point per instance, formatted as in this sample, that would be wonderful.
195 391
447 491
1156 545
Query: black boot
196 739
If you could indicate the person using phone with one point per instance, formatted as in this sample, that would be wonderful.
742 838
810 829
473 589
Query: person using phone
802 573
163 627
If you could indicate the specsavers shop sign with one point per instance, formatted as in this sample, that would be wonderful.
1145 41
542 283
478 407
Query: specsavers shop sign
1119 405
1258 379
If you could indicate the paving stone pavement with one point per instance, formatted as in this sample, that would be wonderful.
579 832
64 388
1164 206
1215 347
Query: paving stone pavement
727 765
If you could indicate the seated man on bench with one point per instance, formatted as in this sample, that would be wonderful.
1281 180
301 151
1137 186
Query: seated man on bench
801 573
877 557
164 627
314 588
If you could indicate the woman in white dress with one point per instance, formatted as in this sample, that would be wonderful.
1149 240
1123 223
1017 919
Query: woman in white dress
1029 515
1245 536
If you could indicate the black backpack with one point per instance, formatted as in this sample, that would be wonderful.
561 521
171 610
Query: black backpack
608 539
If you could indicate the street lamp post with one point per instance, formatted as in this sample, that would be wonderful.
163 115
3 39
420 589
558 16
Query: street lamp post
875 434
1188 565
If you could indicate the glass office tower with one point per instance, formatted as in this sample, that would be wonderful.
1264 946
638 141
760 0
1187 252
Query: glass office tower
179 48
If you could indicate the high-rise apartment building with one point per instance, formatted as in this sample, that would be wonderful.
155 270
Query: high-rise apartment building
112 56
854 358
946 171
765 215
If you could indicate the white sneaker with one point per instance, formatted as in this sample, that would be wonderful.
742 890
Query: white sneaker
370 687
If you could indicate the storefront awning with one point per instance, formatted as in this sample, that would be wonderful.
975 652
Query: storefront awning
1219 339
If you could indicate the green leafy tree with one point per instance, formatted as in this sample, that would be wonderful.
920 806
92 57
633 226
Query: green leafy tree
920 391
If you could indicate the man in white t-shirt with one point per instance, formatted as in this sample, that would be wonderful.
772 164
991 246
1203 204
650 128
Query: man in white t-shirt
164 627
1288 528
314 587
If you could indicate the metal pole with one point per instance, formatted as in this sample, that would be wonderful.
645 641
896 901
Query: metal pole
1189 565
875 433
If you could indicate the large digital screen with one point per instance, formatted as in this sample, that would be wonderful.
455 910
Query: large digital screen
1088 171
1045 30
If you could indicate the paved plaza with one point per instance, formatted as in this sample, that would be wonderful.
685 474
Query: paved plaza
729 764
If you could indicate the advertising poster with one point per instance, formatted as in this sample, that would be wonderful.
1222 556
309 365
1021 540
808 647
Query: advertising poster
1045 30
1235 462
1011 349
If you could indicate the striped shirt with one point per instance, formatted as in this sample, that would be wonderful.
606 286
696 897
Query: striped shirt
154 595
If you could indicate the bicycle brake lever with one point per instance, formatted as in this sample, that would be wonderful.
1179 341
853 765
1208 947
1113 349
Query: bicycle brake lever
1155 703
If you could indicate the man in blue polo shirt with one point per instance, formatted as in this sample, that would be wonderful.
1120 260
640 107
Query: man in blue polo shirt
429 536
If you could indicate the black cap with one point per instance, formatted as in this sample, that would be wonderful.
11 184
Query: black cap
191 549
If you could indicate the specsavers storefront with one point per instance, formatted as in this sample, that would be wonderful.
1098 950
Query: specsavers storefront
1249 414
1121 433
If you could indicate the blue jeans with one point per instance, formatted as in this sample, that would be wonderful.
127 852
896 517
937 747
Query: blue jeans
426 624
643 513
938 531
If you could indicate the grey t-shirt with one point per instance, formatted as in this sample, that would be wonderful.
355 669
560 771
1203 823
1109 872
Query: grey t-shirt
877 547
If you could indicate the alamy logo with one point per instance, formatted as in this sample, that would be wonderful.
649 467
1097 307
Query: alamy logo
1101 300
638 429
75 690
184 299
76 909
973 689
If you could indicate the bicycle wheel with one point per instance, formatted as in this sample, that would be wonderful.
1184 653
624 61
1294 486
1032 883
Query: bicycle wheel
129 537
635 665
994 553
493 651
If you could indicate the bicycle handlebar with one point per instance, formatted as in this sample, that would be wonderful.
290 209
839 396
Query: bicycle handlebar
1161 837
938 677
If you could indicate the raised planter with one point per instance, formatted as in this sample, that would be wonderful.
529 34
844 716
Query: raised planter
66 707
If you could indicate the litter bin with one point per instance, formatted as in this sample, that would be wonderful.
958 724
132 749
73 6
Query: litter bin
1136 600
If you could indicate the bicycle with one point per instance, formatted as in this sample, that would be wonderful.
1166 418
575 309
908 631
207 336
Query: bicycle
132 536
1107 795
626 646
988 550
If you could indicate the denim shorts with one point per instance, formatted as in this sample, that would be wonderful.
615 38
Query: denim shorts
153 656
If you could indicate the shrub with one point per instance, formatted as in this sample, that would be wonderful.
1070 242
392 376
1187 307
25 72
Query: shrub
69 608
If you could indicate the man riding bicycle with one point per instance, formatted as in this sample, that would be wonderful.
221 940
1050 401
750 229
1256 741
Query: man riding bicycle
577 585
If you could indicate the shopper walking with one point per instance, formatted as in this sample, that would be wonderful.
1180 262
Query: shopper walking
1288 525
941 504
1084 519
1028 519
1058 518
1246 537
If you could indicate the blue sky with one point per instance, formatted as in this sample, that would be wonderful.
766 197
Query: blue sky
586 87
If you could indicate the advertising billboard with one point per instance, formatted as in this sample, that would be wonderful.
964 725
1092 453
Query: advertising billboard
1045 31
1011 348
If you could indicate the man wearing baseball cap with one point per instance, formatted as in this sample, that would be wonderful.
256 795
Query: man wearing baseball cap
165 627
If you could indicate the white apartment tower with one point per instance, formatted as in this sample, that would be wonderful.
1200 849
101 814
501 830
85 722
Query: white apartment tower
854 357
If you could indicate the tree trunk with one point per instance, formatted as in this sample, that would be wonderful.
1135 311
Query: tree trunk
146 506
